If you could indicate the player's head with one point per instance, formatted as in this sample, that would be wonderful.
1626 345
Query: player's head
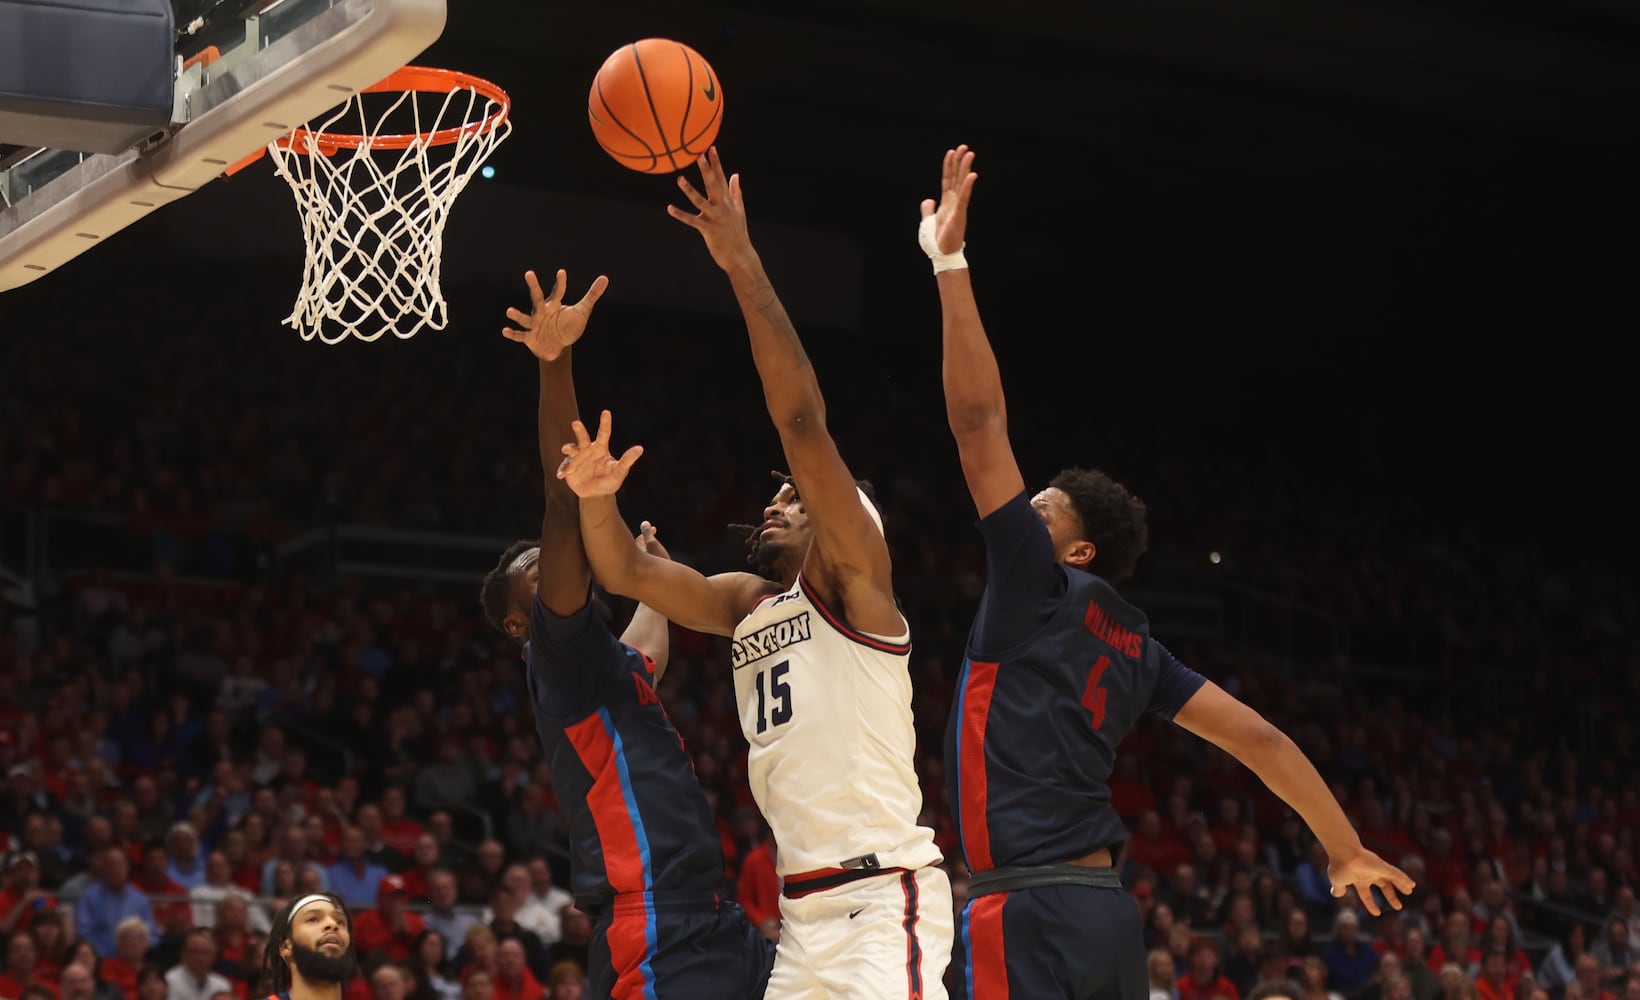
509 589
1095 523
312 937
776 547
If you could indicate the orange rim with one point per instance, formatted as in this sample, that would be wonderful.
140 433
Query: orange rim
420 79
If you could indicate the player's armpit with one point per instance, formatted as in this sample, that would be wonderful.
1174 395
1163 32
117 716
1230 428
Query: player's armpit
988 463
682 594
850 562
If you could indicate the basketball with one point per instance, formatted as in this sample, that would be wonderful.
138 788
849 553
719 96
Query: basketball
655 106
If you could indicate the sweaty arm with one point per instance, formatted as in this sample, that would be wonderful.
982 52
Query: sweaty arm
562 582
974 403
1221 719
714 605
849 563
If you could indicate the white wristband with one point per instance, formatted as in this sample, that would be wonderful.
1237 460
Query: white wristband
942 261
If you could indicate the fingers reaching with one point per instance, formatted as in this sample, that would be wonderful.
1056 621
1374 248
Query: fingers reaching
606 422
536 298
559 281
581 438
696 199
594 293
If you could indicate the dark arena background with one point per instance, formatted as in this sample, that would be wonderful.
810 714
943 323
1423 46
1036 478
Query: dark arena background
1344 291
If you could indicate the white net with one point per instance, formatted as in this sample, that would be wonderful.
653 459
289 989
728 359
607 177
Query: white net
373 215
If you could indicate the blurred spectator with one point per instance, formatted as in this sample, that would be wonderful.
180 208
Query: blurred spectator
502 914
479 984
1312 973
1243 967
398 831
431 963
21 970
151 985
22 899
1615 952
165 897
207 897
544 902
353 877
758 888
132 939
479 880
572 946
1350 961
387 982
513 979
233 934
109 901
423 861
443 917
389 929
194 979
377 850
1164 980
1205 981
566 981
295 850
51 945
186 867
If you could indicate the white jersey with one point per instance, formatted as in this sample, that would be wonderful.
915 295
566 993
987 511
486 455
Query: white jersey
827 711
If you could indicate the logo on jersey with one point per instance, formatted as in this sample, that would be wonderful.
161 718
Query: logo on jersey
769 640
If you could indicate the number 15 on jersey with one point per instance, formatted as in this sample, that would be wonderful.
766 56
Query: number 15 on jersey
773 692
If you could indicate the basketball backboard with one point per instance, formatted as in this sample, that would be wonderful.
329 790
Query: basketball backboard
247 73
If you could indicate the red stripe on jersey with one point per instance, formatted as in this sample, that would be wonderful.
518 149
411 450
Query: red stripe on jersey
976 711
628 939
897 648
987 963
623 864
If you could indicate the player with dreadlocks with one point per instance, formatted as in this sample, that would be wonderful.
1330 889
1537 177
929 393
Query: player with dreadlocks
821 664
646 859
309 953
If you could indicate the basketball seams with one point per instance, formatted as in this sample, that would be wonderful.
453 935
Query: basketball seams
598 86
689 92
660 129
624 74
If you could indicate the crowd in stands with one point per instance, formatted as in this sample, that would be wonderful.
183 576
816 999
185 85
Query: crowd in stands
190 737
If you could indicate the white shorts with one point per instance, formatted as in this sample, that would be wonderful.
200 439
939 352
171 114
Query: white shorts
882 938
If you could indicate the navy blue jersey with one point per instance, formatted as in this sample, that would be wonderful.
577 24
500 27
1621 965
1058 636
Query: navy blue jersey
1059 669
637 818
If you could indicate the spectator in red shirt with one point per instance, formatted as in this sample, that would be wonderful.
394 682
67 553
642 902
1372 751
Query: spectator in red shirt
131 942
513 979
20 971
1155 848
1455 948
1495 982
389 929
422 864
173 914
759 889
1447 871
1130 795
1204 981
398 831
22 899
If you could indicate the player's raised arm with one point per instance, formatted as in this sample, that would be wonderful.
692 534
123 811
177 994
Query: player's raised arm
1222 719
974 403
849 548
649 632
548 330
681 593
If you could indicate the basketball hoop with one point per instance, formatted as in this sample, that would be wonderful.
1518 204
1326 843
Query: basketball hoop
374 224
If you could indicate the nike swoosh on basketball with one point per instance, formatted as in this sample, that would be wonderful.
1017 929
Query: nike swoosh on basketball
710 88
856 913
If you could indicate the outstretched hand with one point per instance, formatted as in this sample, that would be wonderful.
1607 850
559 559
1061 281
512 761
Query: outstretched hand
1366 871
951 213
721 221
550 326
588 467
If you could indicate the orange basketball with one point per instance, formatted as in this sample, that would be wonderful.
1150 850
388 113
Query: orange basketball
655 105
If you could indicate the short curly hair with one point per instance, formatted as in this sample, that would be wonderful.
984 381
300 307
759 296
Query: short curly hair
493 594
1113 519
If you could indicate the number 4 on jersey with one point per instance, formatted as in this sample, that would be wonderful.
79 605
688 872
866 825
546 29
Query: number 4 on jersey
1093 699
780 692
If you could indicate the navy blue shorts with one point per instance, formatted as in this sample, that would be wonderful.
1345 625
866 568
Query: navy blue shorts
689 952
1062 942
